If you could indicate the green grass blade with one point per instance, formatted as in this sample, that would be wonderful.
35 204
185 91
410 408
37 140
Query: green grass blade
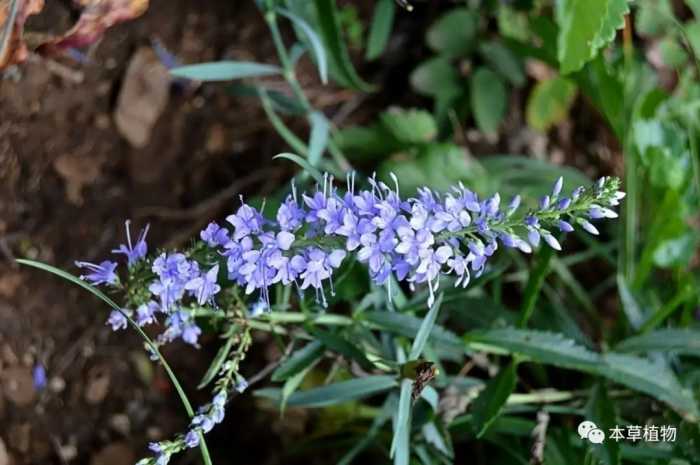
425 329
534 284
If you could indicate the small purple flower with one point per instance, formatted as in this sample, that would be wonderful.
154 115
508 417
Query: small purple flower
190 333
551 240
241 385
565 226
192 439
246 221
146 313
117 320
136 252
204 287
100 274
564 203
214 235
39 377
556 190
585 224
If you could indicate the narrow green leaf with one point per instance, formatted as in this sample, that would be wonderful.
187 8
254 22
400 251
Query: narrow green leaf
224 70
289 137
328 23
504 61
339 345
629 303
675 340
425 329
380 29
378 422
320 128
304 164
601 411
314 40
336 393
217 362
489 99
409 326
492 399
299 360
400 446
293 382
650 377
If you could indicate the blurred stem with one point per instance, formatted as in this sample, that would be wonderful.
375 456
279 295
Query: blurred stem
290 76
534 284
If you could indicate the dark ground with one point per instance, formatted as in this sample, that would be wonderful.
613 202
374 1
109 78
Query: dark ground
69 179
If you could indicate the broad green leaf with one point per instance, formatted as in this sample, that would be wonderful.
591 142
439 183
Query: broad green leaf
218 361
304 164
454 33
601 411
318 140
224 71
409 126
329 29
504 61
316 45
489 99
436 77
654 18
380 29
640 374
335 393
400 446
299 360
425 329
492 399
580 22
549 103
675 340
339 345
676 251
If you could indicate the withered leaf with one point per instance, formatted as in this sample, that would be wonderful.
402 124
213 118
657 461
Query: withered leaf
97 16
13 15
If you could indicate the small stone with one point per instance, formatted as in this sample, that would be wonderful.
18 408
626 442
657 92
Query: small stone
97 385
120 423
57 384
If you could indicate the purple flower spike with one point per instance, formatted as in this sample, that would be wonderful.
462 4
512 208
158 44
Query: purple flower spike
100 274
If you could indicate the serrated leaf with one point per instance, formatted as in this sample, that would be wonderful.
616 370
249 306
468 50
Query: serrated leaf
298 361
675 340
580 21
425 329
614 19
454 33
489 99
316 45
600 409
640 374
549 103
488 405
380 29
335 393
224 71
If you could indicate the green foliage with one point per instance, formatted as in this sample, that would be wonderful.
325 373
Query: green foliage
549 103
489 99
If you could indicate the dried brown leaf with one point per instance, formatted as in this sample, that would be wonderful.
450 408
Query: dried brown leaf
97 16
13 15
